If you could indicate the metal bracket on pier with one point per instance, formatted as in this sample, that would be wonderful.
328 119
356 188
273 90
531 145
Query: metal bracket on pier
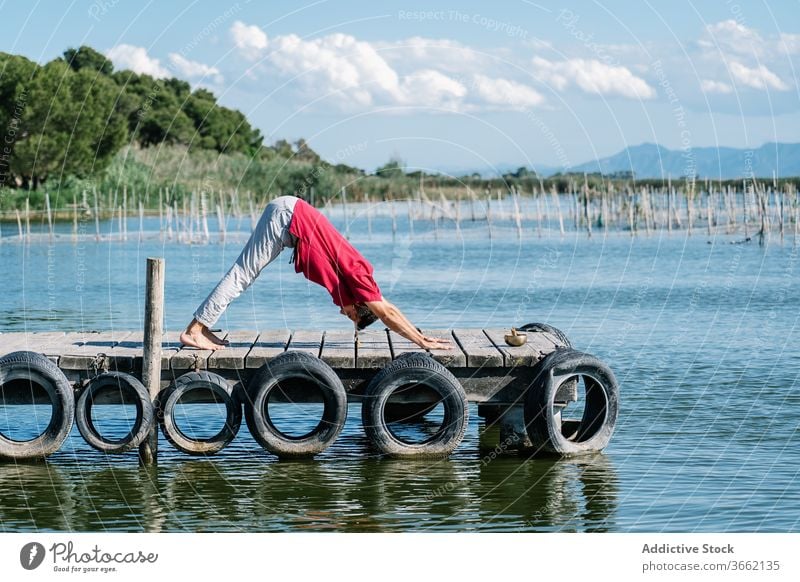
99 364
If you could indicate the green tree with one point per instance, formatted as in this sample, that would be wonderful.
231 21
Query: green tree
391 169
86 57
70 125
15 74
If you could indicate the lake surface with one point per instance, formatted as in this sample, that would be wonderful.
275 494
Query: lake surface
701 333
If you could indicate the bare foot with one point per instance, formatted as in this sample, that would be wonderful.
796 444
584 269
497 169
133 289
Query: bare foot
210 335
197 339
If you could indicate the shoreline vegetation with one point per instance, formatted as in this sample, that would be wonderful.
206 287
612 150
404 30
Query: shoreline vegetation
82 142
752 210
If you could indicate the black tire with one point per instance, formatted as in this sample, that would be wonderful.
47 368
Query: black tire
601 406
554 331
220 388
295 366
420 369
145 412
37 369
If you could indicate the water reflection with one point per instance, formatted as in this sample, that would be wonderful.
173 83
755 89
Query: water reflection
366 495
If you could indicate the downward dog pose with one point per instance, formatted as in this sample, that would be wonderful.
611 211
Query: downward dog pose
323 255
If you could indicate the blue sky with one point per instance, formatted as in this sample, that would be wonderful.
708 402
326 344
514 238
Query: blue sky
458 85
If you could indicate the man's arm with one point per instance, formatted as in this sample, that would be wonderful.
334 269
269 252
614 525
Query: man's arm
394 319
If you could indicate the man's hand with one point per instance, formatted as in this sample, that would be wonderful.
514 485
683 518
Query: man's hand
394 319
435 343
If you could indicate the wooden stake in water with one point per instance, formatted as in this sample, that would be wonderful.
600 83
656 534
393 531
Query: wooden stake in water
119 221
161 214
557 203
141 221
221 222
517 217
204 216
96 216
49 217
27 219
19 224
586 214
151 356
124 220
74 217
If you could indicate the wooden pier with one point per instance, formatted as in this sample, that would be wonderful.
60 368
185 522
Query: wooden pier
524 390
488 368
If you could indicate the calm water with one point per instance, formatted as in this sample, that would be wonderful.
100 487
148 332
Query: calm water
701 333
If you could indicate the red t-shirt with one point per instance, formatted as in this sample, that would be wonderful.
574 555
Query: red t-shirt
325 257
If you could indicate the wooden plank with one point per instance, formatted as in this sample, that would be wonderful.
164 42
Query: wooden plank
454 357
14 341
28 341
82 352
525 355
479 350
186 358
339 349
43 342
232 357
268 345
309 342
401 345
70 342
372 350
547 339
126 353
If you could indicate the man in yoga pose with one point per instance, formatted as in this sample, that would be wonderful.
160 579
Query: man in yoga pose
323 255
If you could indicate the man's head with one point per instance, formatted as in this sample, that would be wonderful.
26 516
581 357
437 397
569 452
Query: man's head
359 314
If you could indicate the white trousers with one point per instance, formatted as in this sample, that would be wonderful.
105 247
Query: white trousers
269 238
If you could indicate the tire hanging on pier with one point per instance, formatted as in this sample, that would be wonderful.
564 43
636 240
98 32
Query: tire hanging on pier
543 416
545 328
221 391
407 412
124 383
282 371
35 369
411 371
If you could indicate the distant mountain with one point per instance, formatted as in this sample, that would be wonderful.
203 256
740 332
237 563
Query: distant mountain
655 161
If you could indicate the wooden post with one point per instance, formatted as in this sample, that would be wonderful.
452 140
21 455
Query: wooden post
74 217
27 218
49 216
19 224
151 360
96 216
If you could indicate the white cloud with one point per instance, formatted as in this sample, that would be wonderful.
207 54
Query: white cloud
592 76
431 87
444 54
758 78
789 42
711 86
193 69
507 93
730 36
355 73
336 63
249 39
135 58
